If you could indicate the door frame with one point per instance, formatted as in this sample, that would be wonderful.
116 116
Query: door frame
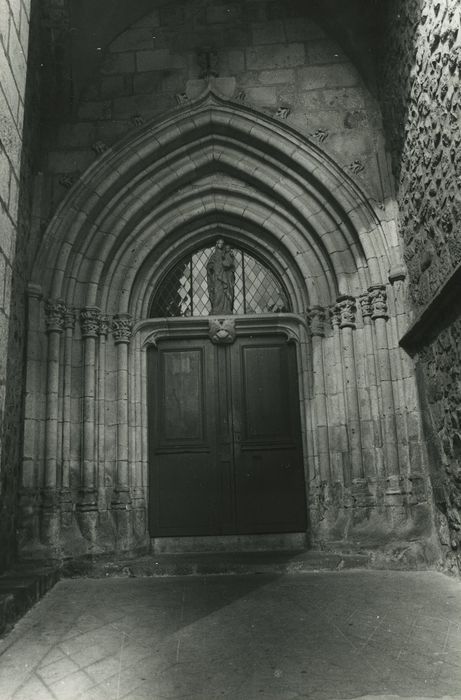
293 326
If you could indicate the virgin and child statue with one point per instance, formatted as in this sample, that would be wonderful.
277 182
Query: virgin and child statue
221 279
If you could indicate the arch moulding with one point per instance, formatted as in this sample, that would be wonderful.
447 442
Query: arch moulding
171 185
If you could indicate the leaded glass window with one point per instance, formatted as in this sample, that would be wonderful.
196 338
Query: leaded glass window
188 288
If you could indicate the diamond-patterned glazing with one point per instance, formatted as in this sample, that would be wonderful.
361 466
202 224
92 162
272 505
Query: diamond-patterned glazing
184 290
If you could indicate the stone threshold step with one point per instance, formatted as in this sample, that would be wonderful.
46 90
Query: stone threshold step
220 563
20 589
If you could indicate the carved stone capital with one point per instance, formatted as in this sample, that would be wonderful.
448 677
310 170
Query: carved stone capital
89 321
69 318
55 310
122 328
317 318
365 305
346 309
378 300
335 317
104 325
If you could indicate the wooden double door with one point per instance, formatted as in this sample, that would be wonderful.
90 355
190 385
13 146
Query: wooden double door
225 444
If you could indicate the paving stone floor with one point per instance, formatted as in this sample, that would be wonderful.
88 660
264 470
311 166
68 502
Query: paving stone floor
345 634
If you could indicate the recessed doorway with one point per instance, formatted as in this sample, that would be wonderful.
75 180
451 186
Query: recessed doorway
225 448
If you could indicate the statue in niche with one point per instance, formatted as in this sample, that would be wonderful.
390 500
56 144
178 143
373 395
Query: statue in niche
221 279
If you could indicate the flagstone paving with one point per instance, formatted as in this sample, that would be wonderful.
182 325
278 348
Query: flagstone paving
325 636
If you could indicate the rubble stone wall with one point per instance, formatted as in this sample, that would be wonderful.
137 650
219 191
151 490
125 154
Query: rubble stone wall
421 101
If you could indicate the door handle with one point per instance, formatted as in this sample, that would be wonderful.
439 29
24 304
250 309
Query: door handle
237 436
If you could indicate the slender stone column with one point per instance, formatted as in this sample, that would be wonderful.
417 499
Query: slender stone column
55 310
66 499
122 330
346 310
138 496
339 440
374 469
138 426
32 465
144 424
89 321
103 332
317 319
378 300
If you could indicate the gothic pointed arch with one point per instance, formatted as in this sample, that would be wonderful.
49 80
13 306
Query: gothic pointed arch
213 163
160 196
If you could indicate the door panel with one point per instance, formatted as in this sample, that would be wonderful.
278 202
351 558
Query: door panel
270 491
224 447
182 447
183 419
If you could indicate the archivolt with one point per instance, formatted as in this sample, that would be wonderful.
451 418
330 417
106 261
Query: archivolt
211 164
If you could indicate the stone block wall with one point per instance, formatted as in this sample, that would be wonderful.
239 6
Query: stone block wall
421 104
269 55
14 34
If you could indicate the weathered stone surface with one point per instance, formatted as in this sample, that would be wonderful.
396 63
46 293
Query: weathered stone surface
94 111
326 101
119 63
422 109
276 77
325 51
268 33
135 39
14 224
319 77
275 56
226 13
266 96
159 59
421 104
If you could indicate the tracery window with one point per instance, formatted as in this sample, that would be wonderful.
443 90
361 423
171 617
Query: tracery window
189 287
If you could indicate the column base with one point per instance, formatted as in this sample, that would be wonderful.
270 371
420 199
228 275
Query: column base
50 519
